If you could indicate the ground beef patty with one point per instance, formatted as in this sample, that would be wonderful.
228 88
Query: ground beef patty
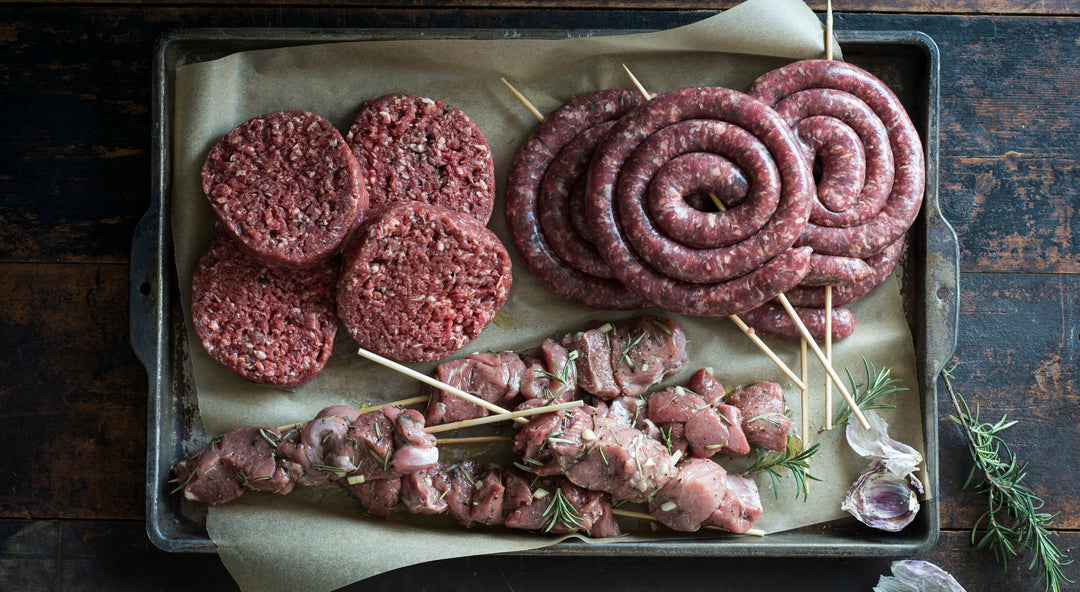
286 186
419 282
268 326
420 149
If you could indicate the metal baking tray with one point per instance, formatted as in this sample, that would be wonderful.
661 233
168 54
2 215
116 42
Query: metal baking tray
907 60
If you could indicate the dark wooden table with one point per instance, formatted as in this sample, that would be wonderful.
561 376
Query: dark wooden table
75 88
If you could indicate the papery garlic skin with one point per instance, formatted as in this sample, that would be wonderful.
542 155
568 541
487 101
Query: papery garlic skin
917 576
875 443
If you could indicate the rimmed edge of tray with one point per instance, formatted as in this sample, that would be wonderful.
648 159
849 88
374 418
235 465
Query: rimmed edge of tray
158 339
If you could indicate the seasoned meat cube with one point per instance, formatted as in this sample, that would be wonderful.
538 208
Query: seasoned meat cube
686 501
487 500
741 506
463 476
494 378
380 498
425 491
763 419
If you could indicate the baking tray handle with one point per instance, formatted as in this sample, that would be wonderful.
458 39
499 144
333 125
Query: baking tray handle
942 292
144 290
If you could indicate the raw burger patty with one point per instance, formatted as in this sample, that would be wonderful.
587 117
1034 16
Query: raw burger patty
419 282
286 186
414 148
268 326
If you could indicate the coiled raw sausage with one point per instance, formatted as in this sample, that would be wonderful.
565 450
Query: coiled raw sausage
578 273
747 258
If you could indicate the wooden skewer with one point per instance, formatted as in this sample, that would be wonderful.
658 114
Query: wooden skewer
640 88
473 440
828 30
457 425
374 357
644 516
767 351
821 358
735 318
528 104
805 391
828 288
828 356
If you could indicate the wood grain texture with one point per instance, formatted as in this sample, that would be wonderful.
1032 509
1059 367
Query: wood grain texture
1027 7
1017 357
74 179
73 398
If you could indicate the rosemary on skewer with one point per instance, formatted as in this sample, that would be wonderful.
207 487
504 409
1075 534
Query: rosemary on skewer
878 384
794 459
561 511
1013 525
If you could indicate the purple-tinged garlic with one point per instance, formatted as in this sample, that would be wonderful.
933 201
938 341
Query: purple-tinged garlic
881 500
885 496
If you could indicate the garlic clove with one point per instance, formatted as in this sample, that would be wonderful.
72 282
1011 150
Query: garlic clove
881 500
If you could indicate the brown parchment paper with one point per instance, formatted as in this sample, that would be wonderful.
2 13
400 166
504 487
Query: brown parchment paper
319 539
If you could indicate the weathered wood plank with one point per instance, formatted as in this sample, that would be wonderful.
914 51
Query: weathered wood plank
1028 7
114 555
73 398
1017 356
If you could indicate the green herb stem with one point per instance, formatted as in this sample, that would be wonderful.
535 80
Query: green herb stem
1013 525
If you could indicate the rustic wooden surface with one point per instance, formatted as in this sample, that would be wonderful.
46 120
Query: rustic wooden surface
75 179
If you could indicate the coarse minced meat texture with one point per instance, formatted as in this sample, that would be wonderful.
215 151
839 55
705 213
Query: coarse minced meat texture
286 186
268 326
420 149
420 281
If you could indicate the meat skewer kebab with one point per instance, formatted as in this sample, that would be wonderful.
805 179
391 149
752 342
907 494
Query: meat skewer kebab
605 360
338 442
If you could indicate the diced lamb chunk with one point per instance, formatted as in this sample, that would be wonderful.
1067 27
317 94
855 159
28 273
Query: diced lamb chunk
464 476
674 405
381 498
600 454
373 436
763 419
595 375
542 366
644 351
415 448
686 501
487 500
206 477
496 378
320 450
425 491
707 386
740 508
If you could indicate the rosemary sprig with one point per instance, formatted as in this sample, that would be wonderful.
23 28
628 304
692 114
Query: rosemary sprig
563 375
878 384
1013 526
794 459
561 511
